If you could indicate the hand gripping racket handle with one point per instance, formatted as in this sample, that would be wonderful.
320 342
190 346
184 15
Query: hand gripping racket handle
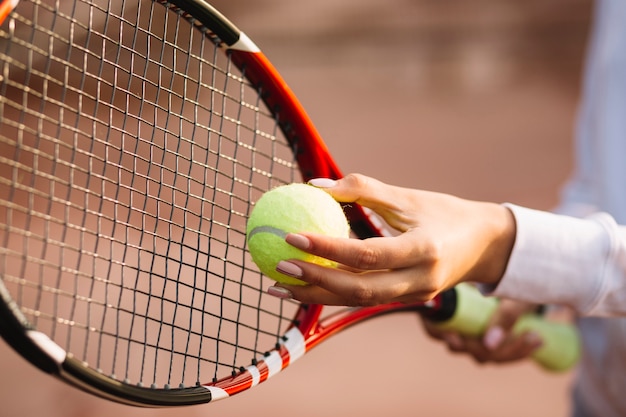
561 344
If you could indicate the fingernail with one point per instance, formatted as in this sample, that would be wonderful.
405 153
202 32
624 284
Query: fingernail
323 182
279 292
298 241
493 338
289 268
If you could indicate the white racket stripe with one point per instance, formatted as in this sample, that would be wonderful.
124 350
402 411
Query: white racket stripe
217 393
295 344
296 347
11 4
245 44
256 374
54 351
274 363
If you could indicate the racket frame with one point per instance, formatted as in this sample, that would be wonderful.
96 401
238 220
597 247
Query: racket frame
308 328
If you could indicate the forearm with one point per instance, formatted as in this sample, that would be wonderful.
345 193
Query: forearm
565 260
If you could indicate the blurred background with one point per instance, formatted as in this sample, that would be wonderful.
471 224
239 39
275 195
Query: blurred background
476 98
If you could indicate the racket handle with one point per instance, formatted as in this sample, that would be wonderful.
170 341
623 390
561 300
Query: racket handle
561 344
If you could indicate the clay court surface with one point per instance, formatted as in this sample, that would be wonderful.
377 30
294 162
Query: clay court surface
475 98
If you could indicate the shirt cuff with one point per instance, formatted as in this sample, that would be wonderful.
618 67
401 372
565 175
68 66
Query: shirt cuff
556 259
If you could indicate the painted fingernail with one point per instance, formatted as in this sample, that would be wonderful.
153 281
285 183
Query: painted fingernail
298 241
323 182
493 338
279 292
289 268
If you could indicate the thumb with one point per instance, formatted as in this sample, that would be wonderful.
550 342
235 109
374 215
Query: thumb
502 322
354 188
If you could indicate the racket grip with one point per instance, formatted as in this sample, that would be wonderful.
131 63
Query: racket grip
561 344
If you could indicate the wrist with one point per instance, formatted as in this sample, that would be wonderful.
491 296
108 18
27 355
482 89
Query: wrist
501 231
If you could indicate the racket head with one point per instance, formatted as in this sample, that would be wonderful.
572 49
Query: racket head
134 140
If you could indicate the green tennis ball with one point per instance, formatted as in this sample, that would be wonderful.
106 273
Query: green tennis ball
291 208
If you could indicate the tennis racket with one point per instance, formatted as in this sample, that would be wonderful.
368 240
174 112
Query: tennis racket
134 139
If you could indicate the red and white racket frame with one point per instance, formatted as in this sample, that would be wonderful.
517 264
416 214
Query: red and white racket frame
308 328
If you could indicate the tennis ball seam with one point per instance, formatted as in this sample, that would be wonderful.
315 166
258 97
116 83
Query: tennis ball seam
267 229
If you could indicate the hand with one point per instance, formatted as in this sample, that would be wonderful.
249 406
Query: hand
443 240
499 343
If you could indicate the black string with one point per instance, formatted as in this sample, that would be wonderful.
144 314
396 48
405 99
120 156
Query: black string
131 151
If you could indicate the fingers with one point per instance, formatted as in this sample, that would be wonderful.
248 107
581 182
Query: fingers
499 343
370 254
307 294
372 271
508 312
512 347
354 188
503 320
393 204
340 286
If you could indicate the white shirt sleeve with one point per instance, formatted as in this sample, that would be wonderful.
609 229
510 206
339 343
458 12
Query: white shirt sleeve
560 259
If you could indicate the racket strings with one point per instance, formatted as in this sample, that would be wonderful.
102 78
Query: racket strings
130 152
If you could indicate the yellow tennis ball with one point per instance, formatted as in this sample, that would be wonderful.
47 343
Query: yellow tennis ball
292 208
